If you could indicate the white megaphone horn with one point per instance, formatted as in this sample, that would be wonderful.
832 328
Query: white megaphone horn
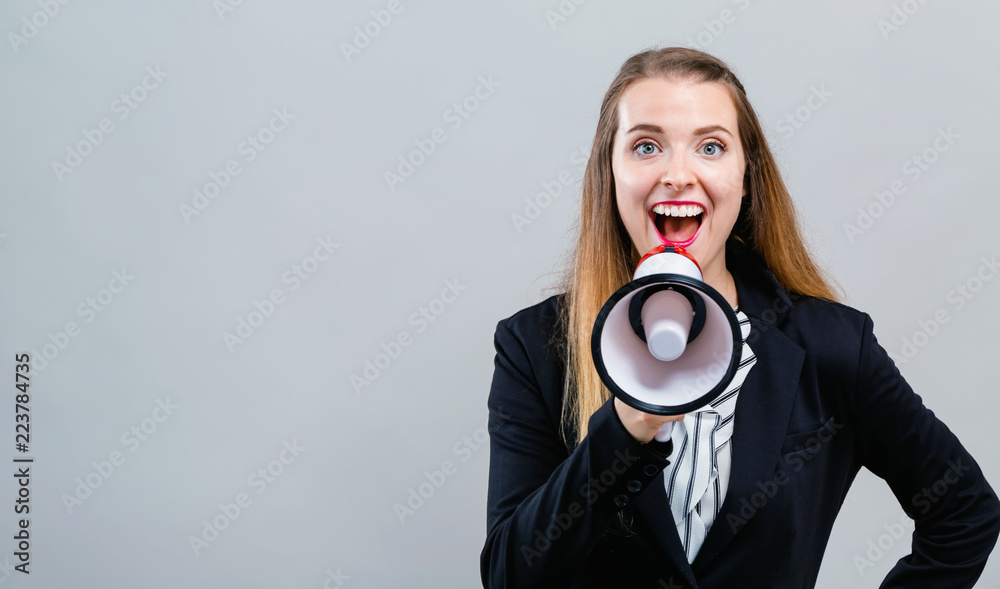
667 343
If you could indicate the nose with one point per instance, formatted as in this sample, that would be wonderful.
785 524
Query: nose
677 174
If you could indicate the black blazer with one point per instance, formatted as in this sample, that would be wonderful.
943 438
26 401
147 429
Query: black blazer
823 400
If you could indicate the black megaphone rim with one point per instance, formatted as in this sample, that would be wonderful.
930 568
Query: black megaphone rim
711 395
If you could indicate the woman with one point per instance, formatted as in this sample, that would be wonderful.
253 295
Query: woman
580 492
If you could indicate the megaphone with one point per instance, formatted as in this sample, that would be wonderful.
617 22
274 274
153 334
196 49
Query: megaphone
667 343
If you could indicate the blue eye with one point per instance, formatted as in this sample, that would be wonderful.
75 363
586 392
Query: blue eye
715 148
645 148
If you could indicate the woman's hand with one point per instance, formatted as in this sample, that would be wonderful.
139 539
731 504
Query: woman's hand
642 426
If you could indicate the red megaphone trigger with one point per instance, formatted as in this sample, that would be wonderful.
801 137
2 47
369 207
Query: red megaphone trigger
674 249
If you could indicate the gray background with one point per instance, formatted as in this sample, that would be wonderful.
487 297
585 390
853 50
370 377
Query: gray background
332 507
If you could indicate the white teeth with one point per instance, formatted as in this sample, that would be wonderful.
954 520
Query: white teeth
678 211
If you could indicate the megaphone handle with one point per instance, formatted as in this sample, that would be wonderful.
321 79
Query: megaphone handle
663 434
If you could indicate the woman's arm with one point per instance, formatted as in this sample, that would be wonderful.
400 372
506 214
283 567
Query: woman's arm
548 508
932 475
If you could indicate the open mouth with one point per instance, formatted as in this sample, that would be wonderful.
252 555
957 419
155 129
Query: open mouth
677 223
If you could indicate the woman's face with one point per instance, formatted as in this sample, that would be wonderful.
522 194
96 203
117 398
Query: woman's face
678 166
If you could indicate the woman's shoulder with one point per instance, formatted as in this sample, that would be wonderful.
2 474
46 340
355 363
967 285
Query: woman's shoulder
823 315
834 335
772 303
819 308
532 342
539 319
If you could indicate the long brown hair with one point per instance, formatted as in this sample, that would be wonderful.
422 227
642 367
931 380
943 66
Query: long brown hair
605 257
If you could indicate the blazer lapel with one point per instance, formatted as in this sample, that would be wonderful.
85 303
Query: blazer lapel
763 410
761 420
762 413
653 510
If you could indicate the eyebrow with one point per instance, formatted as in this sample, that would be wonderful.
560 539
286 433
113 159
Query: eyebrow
699 131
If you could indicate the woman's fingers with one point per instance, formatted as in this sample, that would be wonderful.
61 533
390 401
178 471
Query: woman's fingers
642 426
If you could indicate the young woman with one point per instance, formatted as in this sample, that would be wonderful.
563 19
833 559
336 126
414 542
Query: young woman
744 494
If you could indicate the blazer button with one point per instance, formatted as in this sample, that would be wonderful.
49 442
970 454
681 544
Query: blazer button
651 470
634 486
621 500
